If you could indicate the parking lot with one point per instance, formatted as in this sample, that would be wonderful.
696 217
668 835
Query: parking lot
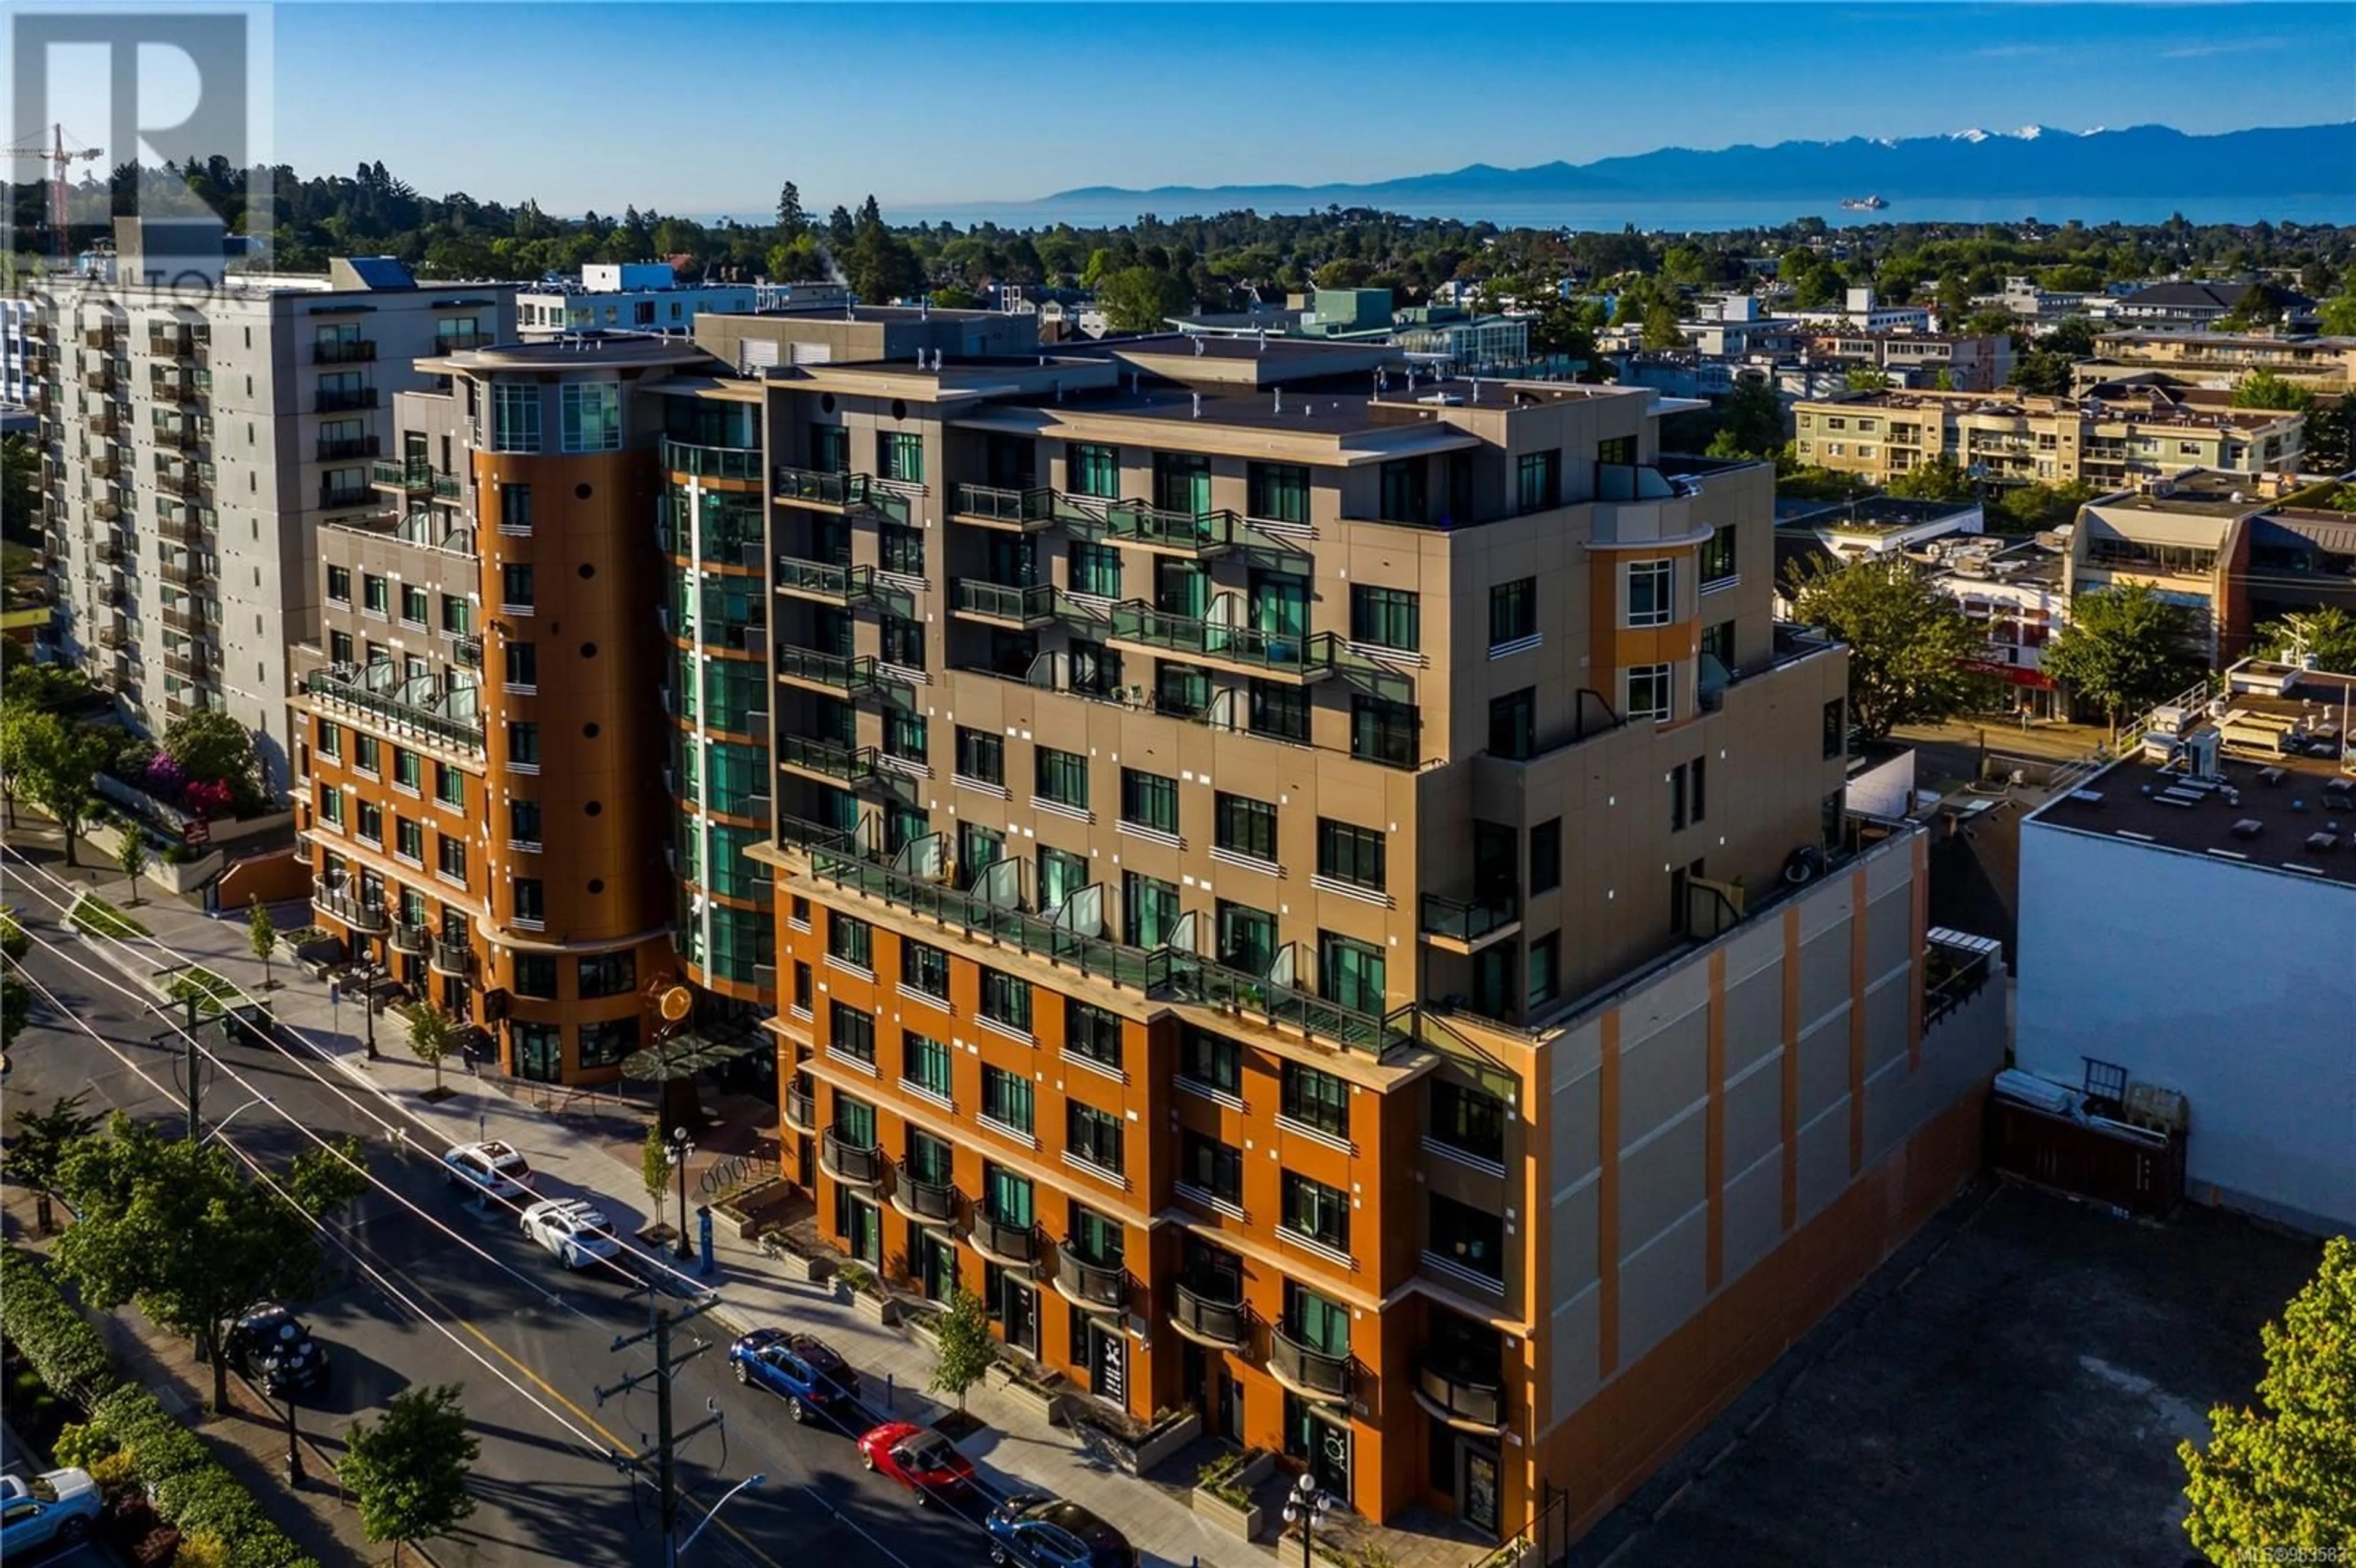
2017 1402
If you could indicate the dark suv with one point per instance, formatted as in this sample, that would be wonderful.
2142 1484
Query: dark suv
1031 1532
271 1346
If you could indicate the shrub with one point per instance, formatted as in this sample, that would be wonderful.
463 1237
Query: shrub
201 1549
81 1448
160 1447
56 1342
115 1474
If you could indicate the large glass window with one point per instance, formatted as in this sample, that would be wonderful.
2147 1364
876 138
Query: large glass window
1211 1060
1649 693
923 968
535 975
1246 938
1468 1237
1719 563
1537 481
608 975
1061 874
1278 710
515 416
1404 498
1151 909
606 1044
849 941
851 1032
1315 1099
1545 856
1513 610
1386 618
1006 1099
1149 800
1278 491
1348 853
591 412
1469 1121
1243 825
900 548
900 454
1093 1032
1385 731
1093 470
1093 1135
1315 1210
1513 724
1096 570
1209 1166
1063 777
1006 999
1349 973
925 1064
905 735
981 756
1651 592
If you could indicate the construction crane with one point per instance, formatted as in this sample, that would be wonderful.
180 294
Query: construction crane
60 160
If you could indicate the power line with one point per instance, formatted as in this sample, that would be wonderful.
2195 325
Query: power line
663 1455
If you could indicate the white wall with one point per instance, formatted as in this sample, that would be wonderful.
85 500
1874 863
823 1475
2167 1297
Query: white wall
2235 985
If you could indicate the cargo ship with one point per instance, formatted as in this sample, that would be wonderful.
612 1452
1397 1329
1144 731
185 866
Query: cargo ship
1862 204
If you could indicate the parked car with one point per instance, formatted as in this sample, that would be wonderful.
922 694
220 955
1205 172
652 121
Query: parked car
491 1170
918 1458
799 1368
271 1346
60 1506
1028 1531
576 1232
251 1023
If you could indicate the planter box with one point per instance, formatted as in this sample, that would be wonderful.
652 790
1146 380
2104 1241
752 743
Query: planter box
1039 1399
1140 1454
925 1329
880 1309
808 1270
1243 1523
1257 1469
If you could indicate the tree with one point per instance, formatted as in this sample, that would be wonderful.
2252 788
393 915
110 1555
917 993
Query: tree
15 754
210 744
1937 480
407 1469
1139 299
433 1035
966 1350
1751 420
2264 389
840 232
2283 1484
262 936
15 1005
1866 378
2326 635
2325 446
2124 649
1907 640
132 858
174 1224
654 1165
2337 317
792 221
58 769
1662 330
33 1156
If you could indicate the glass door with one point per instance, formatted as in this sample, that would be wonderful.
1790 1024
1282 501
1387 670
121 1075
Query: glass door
1476 1484
1280 607
937 1265
1181 482
1180 587
1018 1310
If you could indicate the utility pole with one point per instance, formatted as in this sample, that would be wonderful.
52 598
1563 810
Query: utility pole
663 1457
193 1086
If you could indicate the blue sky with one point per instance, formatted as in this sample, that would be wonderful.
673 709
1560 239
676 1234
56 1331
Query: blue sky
694 108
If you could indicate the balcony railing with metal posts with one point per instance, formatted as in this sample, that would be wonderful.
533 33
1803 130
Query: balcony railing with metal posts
1101 1286
1453 1397
846 764
186 617
449 956
368 918
1305 1368
710 461
189 572
1003 1243
818 487
1029 605
456 343
192 663
344 399
845 673
824 579
408 938
355 687
1161 527
1029 508
858 1165
1279 653
801 1109
1216 1316
343 351
936 1201
182 437
1470 920
342 448
339 498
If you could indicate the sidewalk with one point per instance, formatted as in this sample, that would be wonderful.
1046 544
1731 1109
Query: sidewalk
1016 1451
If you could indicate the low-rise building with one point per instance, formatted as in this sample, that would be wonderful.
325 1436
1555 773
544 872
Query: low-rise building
2219 359
2188 920
2018 595
2193 302
1970 362
626 296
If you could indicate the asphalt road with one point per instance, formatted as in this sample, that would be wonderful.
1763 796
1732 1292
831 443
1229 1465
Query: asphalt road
543 1493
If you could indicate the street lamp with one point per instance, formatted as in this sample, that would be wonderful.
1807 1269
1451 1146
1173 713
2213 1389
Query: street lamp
752 1481
294 1455
683 1144
1306 1505
367 975
222 1126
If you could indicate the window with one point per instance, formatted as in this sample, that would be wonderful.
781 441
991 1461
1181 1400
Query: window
365 751
981 756
1063 777
1278 492
457 617
1404 497
1717 559
535 975
1209 1166
1386 618
1246 938
1316 1099
1092 1136
925 1064
1836 729
1006 1000
1513 612
1468 1121
1093 470
1513 724
340 585
849 941
331 740
1318 1212
1096 570
1149 800
1697 789
414 604
903 641
408 769
1718 643
900 548
371 822
591 416
1648 693
923 968
1537 481
978 848
539 1050
376 594
1182 690
1006 1099
523 746
1150 909
1468 1237
1061 874
851 1032
1546 968
604 1044
1242 825
451 856
516 585
1349 973
339 647
608 975
1279 711
531 903
1092 1032
515 416
331 806
1385 731
900 454
1351 854
1006 1197
905 736
450 784
1211 1061
803 986
515 509
409 839
523 666
523 823
1652 586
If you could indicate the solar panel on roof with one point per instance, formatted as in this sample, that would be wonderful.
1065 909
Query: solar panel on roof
382 273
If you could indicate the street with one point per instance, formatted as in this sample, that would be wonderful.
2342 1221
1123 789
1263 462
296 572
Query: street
531 1342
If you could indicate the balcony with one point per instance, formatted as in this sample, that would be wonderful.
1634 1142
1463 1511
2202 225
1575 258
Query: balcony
183 481
1172 532
854 676
467 653
824 579
926 1202
187 572
414 478
1467 1404
186 617
1214 1316
113 635
343 351
104 337
1637 506
104 421
801 1109
1093 1287
1009 1246
837 765
181 345
367 919
1137 625
819 487
181 391
1028 510
406 705
1003 604
456 343
710 461
849 1163
103 466
191 663
451 956
182 437
344 399
1458 925
342 448
109 550
338 499
408 938
1308 1372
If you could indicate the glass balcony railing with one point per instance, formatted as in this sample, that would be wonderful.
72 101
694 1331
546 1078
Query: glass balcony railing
710 461
818 487
846 764
846 673
1029 508
1460 920
1134 621
352 688
1030 605
1194 533
343 351
825 580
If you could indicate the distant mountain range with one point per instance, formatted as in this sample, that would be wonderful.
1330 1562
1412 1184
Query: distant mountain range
2035 162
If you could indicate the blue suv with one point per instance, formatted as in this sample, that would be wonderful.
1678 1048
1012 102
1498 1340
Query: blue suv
1028 1531
802 1369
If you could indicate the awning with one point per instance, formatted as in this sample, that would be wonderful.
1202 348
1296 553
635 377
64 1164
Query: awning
692 1051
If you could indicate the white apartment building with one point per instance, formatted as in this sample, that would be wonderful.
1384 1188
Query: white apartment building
627 296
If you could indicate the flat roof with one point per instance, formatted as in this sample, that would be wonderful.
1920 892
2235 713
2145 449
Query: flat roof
2204 494
1871 514
581 351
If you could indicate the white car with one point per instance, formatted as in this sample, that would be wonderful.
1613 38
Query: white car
573 1231
489 1169
62 1506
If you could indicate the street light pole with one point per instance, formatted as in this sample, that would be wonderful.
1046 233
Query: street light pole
752 1481
293 1454
367 1004
681 1145
1306 1506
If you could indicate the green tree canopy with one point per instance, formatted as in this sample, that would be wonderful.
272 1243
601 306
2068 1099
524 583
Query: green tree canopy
966 1349
1139 299
56 764
2264 389
1937 480
2282 1482
35 1152
407 1469
2336 316
210 744
1907 640
2125 649
1751 422
433 1035
2326 635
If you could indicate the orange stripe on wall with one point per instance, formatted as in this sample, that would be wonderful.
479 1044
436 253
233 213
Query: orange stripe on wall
1607 1194
1714 1157
1791 1065
1856 1022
